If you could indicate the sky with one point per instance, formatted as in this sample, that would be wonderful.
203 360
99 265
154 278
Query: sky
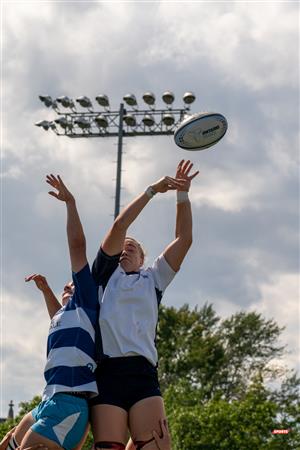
241 59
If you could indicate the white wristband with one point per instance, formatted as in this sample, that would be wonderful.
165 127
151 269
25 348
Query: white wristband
150 192
182 196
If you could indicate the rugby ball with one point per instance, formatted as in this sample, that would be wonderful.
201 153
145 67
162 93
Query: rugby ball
200 131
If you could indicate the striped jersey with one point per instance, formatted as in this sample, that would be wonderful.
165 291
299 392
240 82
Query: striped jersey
129 305
71 362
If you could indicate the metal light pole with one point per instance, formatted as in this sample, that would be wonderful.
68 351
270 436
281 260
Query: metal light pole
129 122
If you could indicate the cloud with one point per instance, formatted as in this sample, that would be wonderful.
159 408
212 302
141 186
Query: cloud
280 301
240 59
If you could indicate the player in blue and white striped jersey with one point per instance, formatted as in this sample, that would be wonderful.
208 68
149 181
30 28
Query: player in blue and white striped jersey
61 419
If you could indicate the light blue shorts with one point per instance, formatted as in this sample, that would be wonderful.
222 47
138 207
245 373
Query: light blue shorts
62 419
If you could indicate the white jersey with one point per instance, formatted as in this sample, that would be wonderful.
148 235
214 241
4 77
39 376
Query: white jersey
129 305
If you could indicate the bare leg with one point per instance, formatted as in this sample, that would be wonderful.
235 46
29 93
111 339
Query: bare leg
109 423
32 438
144 418
23 427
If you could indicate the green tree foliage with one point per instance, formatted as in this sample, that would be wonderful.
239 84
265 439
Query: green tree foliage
216 376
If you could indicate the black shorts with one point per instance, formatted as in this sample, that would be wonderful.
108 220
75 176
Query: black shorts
124 381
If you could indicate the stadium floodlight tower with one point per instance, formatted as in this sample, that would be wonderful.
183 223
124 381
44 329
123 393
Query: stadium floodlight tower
88 122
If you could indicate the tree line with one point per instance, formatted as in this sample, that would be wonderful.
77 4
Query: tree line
223 383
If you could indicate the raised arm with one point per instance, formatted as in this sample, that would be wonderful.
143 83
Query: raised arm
177 250
76 238
114 240
51 301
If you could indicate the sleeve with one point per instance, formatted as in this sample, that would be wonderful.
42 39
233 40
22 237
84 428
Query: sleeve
103 267
86 293
162 273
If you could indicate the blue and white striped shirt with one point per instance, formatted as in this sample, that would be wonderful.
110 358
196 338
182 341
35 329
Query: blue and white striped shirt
71 355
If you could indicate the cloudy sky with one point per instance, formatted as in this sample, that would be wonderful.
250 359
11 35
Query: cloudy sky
240 59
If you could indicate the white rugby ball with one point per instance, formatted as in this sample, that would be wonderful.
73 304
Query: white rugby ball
200 131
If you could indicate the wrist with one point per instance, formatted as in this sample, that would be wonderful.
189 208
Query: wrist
45 289
70 201
150 192
182 196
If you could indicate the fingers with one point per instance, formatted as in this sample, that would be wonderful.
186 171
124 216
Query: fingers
55 181
54 194
30 277
183 170
174 182
186 167
61 181
191 177
35 277
164 426
157 439
52 180
178 170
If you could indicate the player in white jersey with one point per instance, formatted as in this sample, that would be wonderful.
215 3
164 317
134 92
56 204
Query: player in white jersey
129 393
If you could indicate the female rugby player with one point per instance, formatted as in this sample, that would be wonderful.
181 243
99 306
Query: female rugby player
129 393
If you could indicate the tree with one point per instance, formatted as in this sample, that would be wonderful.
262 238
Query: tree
217 356
216 380
189 346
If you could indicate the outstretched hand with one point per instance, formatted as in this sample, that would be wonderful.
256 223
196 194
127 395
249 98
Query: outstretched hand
182 173
166 184
40 281
163 441
57 183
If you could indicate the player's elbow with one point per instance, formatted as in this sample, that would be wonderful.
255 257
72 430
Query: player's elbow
119 224
186 240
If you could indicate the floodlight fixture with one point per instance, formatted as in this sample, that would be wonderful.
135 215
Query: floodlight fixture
149 98
168 97
86 121
45 124
189 98
103 100
168 119
66 101
148 120
84 101
64 122
82 122
130 99
101 121
47 100
129 119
